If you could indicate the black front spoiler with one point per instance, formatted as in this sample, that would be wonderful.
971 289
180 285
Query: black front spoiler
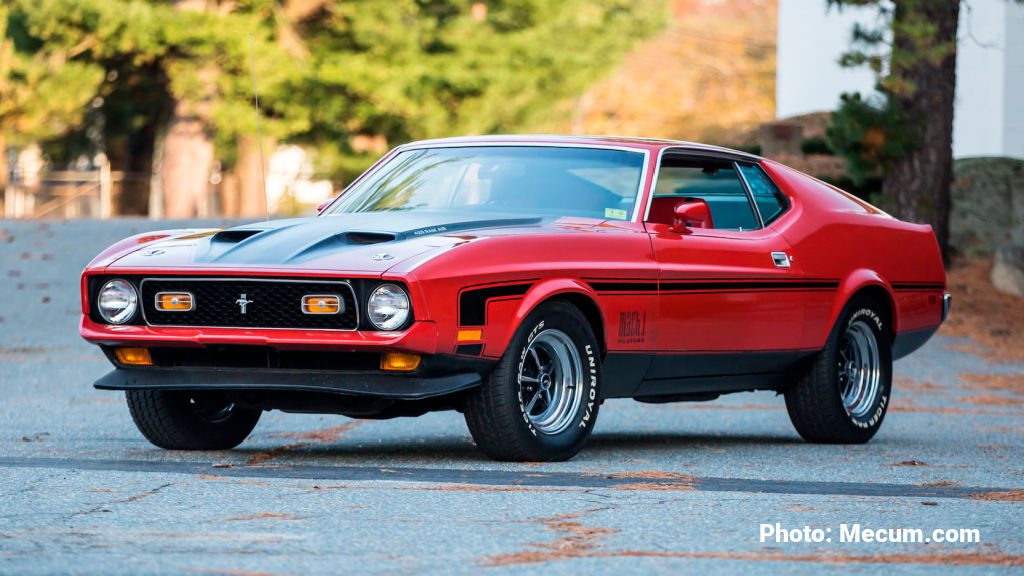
348 383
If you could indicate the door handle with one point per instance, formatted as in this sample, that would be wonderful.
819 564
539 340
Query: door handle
781 259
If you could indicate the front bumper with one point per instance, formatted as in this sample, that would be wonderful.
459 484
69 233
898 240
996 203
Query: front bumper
421 337
338 382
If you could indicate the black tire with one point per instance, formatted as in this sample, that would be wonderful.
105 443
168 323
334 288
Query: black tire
816 403
186 420
497 412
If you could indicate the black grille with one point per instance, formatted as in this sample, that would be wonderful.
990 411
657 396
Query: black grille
271 303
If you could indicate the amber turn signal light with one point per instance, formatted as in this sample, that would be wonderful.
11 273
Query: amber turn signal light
174 301
399 361
471 335
322 304
134 356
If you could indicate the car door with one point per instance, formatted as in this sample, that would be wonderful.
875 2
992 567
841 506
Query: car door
730 296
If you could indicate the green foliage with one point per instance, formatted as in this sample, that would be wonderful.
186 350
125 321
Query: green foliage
404 69
816 146
44 89
448 73
870 133
874 132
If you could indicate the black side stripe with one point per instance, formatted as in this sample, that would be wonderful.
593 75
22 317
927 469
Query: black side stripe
473 302
624 286
917 286
715 286
748 285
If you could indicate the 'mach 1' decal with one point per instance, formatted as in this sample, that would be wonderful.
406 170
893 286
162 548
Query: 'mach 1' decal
632 327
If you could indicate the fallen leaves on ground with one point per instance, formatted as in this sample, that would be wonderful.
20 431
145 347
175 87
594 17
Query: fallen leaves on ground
1001 496
261 516
1013 383
324 435
983 314
577 541
993 400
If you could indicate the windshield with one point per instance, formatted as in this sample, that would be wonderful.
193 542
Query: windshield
540 180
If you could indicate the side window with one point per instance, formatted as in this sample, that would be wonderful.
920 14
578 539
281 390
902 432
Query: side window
716 182
770 201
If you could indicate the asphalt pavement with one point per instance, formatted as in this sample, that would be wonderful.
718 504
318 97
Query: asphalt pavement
674 488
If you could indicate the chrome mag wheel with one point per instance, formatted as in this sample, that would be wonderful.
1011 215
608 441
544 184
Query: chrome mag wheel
551 382
859 368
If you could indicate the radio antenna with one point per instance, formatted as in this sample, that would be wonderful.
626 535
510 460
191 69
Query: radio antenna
259 126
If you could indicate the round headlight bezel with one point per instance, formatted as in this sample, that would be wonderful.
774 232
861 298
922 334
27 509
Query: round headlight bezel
404 309
128 312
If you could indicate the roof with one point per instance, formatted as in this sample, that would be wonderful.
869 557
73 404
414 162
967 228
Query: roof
624 141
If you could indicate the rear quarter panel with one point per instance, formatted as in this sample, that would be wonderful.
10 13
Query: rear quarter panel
836 235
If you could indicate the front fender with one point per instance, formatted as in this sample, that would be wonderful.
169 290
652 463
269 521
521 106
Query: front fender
499 339
133 243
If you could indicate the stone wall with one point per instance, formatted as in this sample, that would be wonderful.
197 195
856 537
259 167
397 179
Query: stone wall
988 205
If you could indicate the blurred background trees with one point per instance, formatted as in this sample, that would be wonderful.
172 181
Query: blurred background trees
163 88
159 93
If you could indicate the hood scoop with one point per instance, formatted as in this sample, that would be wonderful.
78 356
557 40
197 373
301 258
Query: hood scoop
234 236
361 238
344 237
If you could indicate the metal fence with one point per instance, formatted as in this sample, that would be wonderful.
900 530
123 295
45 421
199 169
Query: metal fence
62 194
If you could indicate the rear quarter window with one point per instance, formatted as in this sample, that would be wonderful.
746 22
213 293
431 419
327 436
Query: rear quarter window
769 199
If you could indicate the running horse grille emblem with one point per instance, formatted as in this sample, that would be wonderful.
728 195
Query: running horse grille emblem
243 302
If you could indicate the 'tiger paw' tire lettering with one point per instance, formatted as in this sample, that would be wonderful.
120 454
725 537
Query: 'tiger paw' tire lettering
540 402
842 397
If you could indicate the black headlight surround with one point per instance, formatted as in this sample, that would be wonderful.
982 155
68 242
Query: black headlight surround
96 283
363 289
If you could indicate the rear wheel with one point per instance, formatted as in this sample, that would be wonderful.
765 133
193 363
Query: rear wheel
541 400
190 420
843 396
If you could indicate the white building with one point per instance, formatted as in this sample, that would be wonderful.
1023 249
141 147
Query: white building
989 115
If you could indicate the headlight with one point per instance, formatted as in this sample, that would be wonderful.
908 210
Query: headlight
117 301
388 307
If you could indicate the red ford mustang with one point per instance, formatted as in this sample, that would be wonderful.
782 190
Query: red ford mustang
523 281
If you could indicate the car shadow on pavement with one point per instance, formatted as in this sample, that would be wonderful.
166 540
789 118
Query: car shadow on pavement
610 447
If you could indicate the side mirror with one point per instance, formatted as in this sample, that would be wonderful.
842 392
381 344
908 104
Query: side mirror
693 213
323 205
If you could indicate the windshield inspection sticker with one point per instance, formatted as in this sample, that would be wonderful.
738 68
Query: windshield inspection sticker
616 213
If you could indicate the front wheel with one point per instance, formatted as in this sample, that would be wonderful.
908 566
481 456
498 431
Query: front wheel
541 400
190 420
843 396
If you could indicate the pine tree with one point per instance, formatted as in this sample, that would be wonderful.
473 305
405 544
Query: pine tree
906 131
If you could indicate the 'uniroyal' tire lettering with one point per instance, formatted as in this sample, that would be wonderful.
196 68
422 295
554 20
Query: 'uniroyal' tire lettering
874 319
522 360
592 392
870 315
